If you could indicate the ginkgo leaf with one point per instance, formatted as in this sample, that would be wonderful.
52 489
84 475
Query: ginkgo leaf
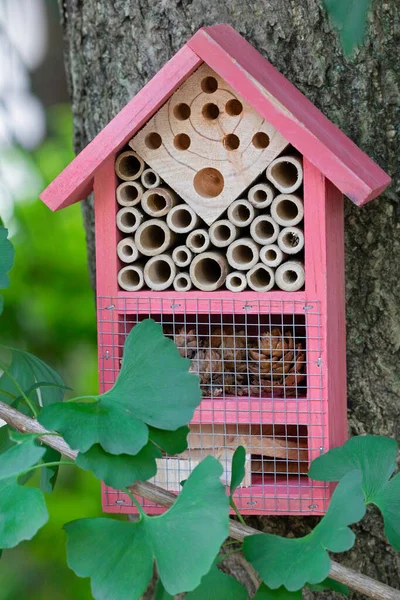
238 470
183 541
29 370
329 584
119 471
375 457
172 442
265 593
350 17
22 510
217 585
294 562
161 593
48 475
154 388
6 261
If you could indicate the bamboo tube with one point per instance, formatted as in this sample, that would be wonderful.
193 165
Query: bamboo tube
127 250
182 282
286 173
264 230
222 233
208 271
154 237
241 213
261 195
182 219
159 272
129 219
150 179
243 254
130 278
290 276
260 278
182 256
291 240
271 255
129 166
236 281
158 202
129 193
287 210
198 241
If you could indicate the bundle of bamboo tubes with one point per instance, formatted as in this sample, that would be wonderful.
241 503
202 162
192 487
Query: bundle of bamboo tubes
258 243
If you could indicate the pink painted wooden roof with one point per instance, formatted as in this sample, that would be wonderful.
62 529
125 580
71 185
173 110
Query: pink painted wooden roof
256 80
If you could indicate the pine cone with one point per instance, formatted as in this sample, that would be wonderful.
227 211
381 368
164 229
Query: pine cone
232 344
207 365
187 342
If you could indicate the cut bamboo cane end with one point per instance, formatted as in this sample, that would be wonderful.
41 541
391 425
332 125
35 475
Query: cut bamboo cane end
130 278
198 241
127 250
129 219
129 193
261 195
182 256
182 282
243 254
287 210
260 278
222 233
182 219
236 281
158 202
241 213
290 276
208 271
271 255
150 179
291 240
129 166
264 230
286 173
159 272
154 237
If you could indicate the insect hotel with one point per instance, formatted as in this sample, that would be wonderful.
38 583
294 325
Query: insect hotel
218 195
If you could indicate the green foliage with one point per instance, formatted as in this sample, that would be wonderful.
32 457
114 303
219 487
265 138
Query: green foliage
183 541
329 584
294 562
22 510
375 457
238 470
350 17
161 594
48 475
265 593
217 585
6 261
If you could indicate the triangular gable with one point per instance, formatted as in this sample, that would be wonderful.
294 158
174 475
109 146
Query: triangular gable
267 90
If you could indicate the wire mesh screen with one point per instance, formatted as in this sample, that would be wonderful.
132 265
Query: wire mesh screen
259 367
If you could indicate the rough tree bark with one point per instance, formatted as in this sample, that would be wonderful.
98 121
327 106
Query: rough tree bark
114 46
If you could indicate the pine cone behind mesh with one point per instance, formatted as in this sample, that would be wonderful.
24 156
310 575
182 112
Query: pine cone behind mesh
187 342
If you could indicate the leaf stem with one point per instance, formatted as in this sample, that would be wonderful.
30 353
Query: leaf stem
19 388
235 508
80 398
50 464
136 503
221 558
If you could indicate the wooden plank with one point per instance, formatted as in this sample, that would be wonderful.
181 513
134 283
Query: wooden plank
289 111
76 181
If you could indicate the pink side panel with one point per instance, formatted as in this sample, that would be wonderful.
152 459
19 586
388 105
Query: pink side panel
76 181
287 109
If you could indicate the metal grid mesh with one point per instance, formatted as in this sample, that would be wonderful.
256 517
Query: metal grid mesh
260 371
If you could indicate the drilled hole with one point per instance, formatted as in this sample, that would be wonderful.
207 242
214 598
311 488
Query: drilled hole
182 111
181 141
260 140
210 111
208 182
231 141
233 107
209 85
153 141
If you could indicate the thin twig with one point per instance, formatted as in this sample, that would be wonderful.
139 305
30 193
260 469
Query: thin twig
356 581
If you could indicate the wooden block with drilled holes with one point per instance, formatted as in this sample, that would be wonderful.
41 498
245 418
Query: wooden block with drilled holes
208 143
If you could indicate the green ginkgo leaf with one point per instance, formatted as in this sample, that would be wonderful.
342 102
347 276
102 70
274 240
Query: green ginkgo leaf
48 475
154 388
172 442
22 510
375 457
238 470
6 261
161 593
183 541
265 593
217 585
350 17
294 562
120 470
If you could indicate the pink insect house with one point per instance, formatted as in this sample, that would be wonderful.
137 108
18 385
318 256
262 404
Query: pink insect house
219 213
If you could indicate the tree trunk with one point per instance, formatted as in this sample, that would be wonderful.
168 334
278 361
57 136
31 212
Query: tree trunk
113 47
